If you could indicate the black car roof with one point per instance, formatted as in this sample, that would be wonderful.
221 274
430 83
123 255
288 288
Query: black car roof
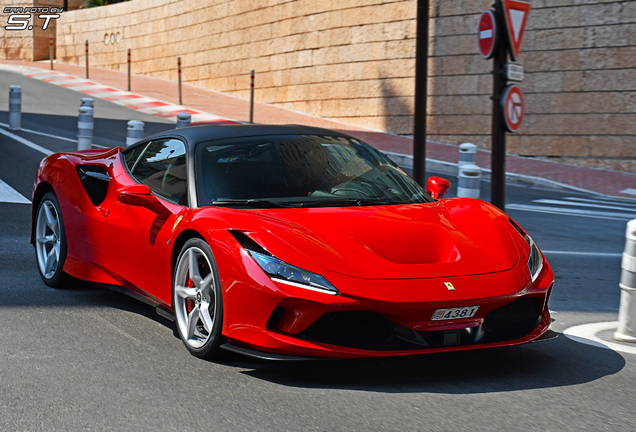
196 134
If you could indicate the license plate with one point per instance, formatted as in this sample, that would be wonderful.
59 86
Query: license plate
454 313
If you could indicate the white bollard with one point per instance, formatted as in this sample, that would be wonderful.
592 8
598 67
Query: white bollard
135 132
15 107
85 128
626 331
183 120
87 102
467 153
469 179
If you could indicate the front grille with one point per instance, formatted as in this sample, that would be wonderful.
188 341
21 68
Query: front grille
372 331
354 329
522 314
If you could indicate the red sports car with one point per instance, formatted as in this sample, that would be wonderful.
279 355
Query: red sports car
286 242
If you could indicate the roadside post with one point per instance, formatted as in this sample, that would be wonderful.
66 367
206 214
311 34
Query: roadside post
179 76
467 153
252 96
626 331
85 128
86 54
135 132
128 69
500 33
51 49
469 180
183 120
86 101
15 107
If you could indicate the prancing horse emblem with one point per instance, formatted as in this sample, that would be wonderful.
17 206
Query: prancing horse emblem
449 286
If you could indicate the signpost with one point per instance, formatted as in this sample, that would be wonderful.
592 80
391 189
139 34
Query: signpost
421 78
508 105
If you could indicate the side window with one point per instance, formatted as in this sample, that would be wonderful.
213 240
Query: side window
132 155
162 167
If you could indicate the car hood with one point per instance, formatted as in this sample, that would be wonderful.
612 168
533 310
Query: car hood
450 237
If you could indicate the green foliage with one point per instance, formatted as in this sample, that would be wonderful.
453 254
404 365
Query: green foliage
96 3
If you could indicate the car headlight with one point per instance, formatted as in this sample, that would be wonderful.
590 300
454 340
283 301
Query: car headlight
285 273
535 259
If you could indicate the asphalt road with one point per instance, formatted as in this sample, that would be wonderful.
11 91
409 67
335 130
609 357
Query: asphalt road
86 358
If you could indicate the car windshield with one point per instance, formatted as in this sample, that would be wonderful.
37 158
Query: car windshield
300 171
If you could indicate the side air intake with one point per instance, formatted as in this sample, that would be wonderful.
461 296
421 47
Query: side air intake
95 181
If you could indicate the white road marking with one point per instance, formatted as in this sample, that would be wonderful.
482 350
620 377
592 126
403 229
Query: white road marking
630 191
598 254
580 204
586 333
605 200
572 212
43 134
10 195
26 142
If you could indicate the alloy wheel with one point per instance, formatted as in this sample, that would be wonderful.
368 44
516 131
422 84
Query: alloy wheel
48 239
195 297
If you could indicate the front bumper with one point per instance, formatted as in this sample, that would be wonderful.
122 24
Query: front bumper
393 317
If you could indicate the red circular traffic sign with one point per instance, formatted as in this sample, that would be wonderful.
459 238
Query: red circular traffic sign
487 34
513 107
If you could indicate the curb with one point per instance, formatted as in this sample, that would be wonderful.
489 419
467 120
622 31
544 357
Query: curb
131 100
515 179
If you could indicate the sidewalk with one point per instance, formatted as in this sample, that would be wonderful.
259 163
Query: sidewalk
524 170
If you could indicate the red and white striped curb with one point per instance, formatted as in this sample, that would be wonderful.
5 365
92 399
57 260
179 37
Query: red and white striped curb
128 99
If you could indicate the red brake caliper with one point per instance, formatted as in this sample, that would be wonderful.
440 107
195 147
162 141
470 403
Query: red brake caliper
190 301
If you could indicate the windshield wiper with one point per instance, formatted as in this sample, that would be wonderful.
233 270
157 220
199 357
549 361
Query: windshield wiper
248 202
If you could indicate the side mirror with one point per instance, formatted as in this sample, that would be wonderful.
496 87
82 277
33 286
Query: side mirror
140 195
436 187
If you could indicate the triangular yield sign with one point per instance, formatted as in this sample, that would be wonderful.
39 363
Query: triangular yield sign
516 13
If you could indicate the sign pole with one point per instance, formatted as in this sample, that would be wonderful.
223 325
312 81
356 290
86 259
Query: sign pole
421 78
498 150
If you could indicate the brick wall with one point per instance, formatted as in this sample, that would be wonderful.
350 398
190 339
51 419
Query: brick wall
353 60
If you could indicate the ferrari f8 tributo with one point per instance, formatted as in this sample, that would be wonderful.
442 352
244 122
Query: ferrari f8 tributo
289 242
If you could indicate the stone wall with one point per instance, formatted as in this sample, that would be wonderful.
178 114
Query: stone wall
353 61
30 44
350 60
580 85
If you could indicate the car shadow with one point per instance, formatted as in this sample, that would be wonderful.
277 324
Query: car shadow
556 363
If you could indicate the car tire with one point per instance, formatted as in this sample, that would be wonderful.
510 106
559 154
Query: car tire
197 299
50 241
